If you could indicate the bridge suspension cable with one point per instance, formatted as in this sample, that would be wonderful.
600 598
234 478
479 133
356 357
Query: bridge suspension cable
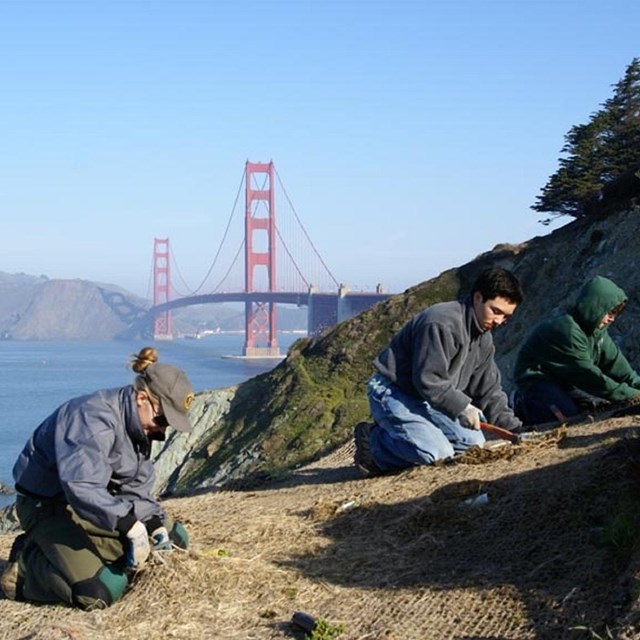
176 269
233 262
293 260
295 213
149 294
215 259
306 274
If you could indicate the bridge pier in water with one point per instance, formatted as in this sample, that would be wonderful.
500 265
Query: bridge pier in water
260 325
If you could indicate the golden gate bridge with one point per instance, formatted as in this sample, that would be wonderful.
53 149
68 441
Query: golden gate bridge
273 264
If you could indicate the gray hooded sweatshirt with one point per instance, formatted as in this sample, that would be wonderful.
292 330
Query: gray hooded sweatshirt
443 356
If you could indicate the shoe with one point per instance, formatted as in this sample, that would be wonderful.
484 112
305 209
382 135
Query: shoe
363 457
11 581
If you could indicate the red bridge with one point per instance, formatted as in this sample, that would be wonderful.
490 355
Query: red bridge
264 287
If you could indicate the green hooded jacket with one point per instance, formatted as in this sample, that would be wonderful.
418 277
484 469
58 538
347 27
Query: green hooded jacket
571 351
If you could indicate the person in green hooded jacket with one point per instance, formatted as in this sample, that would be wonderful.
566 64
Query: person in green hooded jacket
572 357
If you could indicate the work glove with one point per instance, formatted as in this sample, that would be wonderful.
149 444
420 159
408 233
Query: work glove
471 417
161 541
139 548
179 535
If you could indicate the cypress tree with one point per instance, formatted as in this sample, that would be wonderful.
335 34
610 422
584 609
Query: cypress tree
574 188
598 156
622 150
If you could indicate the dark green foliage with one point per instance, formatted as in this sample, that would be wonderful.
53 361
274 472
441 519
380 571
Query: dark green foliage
621 150
597 174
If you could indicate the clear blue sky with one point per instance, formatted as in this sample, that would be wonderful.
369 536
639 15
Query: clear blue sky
410 135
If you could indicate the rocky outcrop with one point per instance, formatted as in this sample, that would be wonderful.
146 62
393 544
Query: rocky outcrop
205 414
5 490
9 519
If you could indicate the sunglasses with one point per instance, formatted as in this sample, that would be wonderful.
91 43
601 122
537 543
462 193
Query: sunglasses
159 419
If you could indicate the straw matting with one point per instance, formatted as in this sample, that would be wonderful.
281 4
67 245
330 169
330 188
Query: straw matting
401 557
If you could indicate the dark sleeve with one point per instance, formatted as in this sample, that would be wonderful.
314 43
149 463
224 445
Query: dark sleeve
613 363
579 369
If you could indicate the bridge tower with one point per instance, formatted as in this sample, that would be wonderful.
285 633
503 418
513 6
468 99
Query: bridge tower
260 261
163 325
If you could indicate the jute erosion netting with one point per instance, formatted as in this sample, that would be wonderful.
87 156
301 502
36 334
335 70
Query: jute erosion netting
502 544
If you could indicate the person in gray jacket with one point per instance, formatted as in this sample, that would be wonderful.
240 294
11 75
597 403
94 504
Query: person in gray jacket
84 482
437 380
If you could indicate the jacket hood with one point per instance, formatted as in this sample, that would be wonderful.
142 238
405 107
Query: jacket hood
596 298
130 414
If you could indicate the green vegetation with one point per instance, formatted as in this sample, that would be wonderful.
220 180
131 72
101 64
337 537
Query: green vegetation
324 631
599 171
309 404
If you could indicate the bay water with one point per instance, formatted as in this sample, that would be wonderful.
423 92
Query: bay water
37 377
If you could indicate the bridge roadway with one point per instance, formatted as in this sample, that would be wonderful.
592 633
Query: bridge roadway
324 309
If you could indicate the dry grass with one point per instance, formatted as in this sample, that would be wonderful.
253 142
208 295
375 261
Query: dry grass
396 558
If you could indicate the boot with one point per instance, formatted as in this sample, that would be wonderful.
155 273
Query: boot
363 457
11 581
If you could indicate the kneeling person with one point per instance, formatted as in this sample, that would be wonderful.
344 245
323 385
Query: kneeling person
571 360
84 483
437 379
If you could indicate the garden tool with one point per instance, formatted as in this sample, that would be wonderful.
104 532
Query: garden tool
514 438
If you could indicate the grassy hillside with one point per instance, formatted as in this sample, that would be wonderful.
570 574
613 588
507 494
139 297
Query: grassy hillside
308 405
552 555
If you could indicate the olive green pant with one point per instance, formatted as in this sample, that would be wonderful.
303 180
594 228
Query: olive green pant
67 559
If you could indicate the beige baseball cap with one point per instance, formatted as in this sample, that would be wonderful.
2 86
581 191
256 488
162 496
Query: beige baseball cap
176 395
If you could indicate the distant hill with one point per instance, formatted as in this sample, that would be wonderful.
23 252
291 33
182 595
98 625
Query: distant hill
39 308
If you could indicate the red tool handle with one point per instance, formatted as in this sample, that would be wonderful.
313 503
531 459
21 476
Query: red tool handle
505 434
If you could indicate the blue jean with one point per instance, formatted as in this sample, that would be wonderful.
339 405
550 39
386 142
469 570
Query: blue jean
409 431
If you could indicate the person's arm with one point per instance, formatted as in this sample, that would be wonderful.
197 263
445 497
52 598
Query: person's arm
139 492
574 366
613 363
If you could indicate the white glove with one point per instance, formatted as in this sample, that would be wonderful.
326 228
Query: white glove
139 548
470 417
161 541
